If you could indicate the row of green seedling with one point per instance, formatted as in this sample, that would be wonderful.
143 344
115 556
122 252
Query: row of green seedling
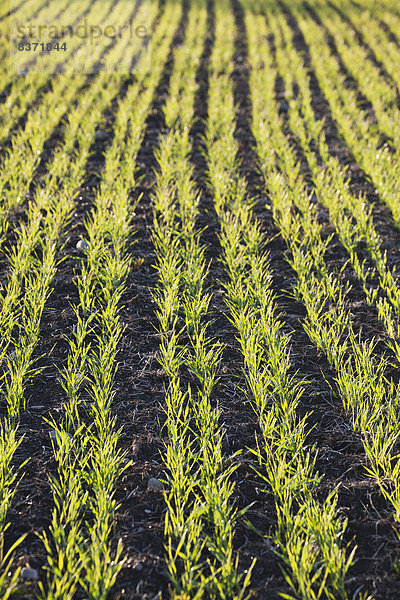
360 379
20 163
55 200
387 12
374 36
355 124
199 525
308 537
79 543
28 88
350 214
376 86
32 7
33 260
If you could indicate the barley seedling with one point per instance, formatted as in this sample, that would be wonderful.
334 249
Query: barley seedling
202 499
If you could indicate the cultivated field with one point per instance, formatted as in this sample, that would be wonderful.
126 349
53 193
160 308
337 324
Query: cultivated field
199 301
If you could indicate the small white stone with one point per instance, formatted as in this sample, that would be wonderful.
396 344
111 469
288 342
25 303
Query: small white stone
28 574
82 245
155 485
37 407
